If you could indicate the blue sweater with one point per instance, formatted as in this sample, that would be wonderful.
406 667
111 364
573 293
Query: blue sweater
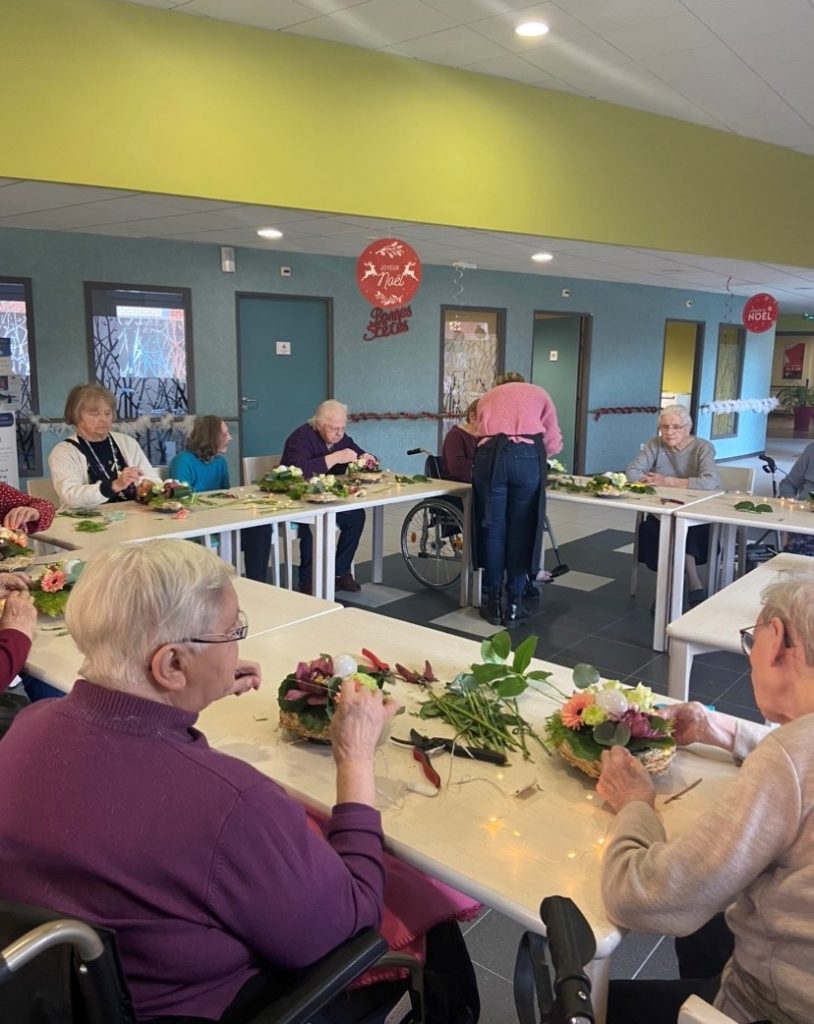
200 475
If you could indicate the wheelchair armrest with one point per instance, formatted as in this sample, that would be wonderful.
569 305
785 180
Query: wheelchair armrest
315 986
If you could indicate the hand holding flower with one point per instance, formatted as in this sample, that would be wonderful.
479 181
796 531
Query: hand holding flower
694 723
17 517
624 780
19 613
12 582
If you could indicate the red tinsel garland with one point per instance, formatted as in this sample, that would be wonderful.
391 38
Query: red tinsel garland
623 410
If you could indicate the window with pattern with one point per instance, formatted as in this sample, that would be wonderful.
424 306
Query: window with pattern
17 325
472 356
728 374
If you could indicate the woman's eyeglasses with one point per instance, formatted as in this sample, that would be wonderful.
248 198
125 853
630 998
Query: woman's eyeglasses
748 636
239 631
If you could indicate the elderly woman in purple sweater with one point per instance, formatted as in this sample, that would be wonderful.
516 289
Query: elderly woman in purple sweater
205 868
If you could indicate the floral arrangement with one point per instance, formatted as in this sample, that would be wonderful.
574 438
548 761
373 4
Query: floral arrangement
602 715
327 485
602 484
364 465
284 480
14 547
555 466
168 495
307 696
50 590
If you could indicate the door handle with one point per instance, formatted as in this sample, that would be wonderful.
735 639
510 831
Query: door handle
248 403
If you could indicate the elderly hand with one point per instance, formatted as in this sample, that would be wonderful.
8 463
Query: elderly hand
247 677
660 480
623 780
19 613
344 456
19 516
129 475
695 723
13 582
358 721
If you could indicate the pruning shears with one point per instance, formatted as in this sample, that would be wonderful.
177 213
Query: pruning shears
427 745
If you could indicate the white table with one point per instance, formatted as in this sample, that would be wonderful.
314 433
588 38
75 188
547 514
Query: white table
476 835
787 516
54 658
715 624
664 504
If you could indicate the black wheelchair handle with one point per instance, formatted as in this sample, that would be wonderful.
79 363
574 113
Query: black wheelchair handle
414 451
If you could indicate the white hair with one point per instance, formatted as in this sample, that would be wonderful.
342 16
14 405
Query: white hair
326 408
791 599
133 598
677 410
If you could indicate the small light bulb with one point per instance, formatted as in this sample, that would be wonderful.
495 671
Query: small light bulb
542 257
531 29
269 233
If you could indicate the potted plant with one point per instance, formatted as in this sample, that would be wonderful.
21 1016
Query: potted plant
800 399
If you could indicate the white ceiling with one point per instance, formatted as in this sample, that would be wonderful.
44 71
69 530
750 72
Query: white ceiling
73 208
743 66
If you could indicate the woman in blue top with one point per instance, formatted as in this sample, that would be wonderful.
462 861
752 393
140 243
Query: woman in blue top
204 468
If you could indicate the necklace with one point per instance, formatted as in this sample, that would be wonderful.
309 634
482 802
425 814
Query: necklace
114 463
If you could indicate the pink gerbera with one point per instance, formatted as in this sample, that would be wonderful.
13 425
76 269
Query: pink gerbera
572 709
53 581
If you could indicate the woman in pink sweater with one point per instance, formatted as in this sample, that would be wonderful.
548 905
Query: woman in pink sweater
517 428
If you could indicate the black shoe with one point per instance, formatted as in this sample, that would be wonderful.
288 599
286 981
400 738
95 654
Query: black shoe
531 592
696 597
490 609
514 613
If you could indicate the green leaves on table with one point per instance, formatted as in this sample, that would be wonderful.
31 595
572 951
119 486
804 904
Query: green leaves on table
750 506
90 526
403 478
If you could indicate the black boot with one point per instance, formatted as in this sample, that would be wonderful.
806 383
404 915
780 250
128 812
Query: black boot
514 611
490 607
531 593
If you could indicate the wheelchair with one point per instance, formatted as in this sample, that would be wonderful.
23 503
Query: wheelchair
432 534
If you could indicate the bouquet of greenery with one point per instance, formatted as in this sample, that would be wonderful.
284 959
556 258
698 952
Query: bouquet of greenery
14 549
603 715
604 485
50 590
167 495
365 469
327 487
284 480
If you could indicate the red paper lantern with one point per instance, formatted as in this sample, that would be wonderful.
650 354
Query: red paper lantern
388 273
760 313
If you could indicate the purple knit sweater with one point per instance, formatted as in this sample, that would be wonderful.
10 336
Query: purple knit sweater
306 449
114 808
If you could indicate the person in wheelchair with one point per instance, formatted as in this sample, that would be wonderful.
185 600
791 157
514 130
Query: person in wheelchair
749 854
460 444
114 809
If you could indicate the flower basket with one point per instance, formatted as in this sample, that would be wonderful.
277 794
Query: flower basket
158 495
50 590
365 471
284 480
602 715
14 550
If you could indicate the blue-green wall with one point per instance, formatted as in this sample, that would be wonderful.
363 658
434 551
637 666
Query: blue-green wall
393 374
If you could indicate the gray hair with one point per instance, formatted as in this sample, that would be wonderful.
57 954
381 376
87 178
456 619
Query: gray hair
791 599
327 407
677 410
133 598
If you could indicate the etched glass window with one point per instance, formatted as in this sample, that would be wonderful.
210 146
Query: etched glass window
728 373
140 342
472 357
16 327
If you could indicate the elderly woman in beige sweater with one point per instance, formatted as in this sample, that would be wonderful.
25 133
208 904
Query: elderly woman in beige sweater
751 854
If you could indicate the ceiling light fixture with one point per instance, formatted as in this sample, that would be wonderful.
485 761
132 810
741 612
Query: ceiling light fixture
269 233
531 29
542 257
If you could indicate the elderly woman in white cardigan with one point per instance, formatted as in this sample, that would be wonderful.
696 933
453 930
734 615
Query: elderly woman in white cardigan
95 465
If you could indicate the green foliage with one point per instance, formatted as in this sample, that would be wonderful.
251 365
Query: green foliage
584 675
419 478
90 526
795 396
81 513
52 605
750 506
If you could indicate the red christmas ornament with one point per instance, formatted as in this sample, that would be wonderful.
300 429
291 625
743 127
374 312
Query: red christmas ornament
388 273
760 313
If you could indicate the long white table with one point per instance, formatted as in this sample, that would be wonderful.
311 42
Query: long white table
506 836
54 657
715 624
664 504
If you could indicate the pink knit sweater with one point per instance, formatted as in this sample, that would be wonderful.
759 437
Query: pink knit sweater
516 409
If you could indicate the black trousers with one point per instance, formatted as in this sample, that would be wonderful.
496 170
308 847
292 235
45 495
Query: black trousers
351 525
256 545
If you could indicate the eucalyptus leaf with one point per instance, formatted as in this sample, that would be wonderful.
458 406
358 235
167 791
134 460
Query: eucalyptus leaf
584 675
763 508
524 654
604 733
621 735
745 506
464 682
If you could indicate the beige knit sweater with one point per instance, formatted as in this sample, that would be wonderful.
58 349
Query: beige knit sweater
753 853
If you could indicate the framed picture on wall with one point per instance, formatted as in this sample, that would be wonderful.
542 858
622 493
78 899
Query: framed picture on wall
793 356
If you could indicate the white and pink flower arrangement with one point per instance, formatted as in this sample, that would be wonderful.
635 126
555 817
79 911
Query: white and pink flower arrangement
51 589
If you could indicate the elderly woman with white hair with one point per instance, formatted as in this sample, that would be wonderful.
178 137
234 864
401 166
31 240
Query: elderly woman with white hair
113 807
322 446
749 854
674 458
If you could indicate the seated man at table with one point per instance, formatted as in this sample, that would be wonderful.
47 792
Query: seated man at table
322 446
749 854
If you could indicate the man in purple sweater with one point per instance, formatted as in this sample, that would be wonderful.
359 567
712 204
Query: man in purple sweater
322 446
113 807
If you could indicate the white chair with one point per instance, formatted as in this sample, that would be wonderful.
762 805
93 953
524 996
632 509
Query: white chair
255 467
162 471
42 487
696 1011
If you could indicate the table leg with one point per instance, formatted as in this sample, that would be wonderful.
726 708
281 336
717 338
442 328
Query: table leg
663 584
678 680
225 547
728 574
599 973
327 524
465 593
680 527
713 564
378 544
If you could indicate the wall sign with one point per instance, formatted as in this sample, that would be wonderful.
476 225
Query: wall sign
760 313
388 274
793 356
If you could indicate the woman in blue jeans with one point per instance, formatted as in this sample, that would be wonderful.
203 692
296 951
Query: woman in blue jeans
517 428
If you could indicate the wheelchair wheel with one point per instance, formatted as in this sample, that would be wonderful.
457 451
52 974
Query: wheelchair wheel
432 543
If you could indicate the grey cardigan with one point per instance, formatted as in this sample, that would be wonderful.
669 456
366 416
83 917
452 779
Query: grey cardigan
695 463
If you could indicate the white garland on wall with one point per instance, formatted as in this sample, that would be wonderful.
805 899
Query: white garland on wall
183 424
759 405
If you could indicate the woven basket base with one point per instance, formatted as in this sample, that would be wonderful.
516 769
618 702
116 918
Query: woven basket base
291 723
655 761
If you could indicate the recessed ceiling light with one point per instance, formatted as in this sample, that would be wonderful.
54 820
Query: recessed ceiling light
531 29
542 257
269 233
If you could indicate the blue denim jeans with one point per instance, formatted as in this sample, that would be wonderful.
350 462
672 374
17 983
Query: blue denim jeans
506 542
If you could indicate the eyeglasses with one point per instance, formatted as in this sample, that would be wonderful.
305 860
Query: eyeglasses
238 632
748 636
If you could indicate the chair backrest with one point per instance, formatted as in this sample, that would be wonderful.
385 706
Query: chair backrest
42 487
162 471
737 478
432 467
696 1011
255 467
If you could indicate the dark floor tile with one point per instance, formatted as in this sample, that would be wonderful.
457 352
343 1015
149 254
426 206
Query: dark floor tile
634 626
661 964
496 998
723 659
467 926
493 943
629 956
654 672
710 684
751 713
621 658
